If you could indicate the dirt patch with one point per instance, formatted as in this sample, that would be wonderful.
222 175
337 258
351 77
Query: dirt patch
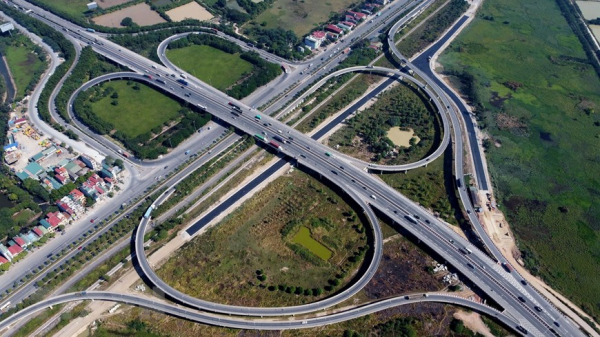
402 270
472 320
507 122
401 137
140 14
191 10
110 3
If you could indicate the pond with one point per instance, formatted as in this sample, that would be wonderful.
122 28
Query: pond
401 137
304 239
5 202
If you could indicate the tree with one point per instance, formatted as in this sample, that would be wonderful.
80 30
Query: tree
114 102
35 188
119 163
108 160
127 22
457 326
61 228
115 95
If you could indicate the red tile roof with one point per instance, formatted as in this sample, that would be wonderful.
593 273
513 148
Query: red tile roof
76 193
3 260
52 219
15 249
100 191
334 29
60 178
38 232
318 34
19 241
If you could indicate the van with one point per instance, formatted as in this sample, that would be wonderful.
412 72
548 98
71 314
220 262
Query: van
182 75
373 197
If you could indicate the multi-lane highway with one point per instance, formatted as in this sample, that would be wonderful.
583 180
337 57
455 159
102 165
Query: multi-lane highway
516 299
268 324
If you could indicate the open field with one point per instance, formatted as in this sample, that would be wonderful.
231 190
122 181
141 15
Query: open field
192 10
249 255
364 136
538 96
300 16
25 65
138 111
110 3
140 14
72 7
213 66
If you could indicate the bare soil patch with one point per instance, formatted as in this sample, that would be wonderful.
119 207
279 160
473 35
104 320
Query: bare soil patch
402 270
110 3
140 14
192 10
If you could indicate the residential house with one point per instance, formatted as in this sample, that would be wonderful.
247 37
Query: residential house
73 170
90 162
3 260
44 223
19 121
77 196
41 231
315 40
357 16
334 29
348 24
88 190
19 240
5 252
30 237
15 249
56 219
109 171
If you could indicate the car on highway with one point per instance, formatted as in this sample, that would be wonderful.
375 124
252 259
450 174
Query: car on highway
524 282
538 309
80 247
166 167
522 299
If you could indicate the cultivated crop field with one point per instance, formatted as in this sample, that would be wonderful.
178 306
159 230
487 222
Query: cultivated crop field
541 101
138 111
250 255
192 10
213 66
300 16
140 14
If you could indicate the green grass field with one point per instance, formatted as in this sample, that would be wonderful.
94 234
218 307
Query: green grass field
222 264
300 16
211 65
138 111
23 65
547 130
72 7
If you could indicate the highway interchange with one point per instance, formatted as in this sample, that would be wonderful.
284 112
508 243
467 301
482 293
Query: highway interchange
482 271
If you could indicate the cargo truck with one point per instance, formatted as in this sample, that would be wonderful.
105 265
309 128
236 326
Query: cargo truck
182 81
507 267
279 139
411 219
275 145
90 30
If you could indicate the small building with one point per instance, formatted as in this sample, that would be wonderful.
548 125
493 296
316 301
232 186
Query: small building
3 260
30 237
90 162
44 223
73 170
6 27
91 6
334 29
32 170
11 157
77 196
19 240
19 121
357 16
314 40
5 252
15 249
40 231
44 154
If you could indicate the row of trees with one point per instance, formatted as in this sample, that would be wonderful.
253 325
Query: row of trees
263 73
